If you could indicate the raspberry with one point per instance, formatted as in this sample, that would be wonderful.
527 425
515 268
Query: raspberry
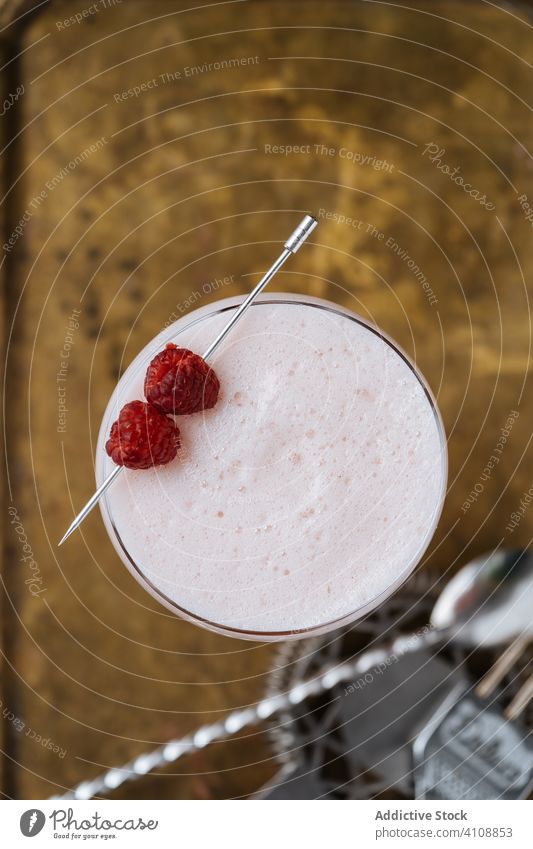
142 437
180 382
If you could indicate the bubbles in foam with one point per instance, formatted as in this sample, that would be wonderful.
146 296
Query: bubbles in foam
299 498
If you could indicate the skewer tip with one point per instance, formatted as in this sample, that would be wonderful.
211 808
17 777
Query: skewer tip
66 535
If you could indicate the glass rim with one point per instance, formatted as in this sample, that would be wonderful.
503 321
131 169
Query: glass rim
141 360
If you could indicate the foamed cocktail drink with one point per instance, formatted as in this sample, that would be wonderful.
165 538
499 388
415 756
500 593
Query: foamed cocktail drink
305 496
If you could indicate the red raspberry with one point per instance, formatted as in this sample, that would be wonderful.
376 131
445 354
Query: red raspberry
142 437
180 382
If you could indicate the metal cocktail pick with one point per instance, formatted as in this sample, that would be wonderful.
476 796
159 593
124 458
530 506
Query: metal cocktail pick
295 240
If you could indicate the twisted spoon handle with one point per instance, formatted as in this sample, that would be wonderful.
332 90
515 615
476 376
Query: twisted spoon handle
373 659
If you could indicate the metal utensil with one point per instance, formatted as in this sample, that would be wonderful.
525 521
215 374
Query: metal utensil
490 600
293 243
487 603
503 665
467 596
521 700
470 750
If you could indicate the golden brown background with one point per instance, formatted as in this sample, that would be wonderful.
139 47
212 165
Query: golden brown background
181 192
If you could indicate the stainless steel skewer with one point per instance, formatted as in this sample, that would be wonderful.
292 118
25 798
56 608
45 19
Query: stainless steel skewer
293 243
